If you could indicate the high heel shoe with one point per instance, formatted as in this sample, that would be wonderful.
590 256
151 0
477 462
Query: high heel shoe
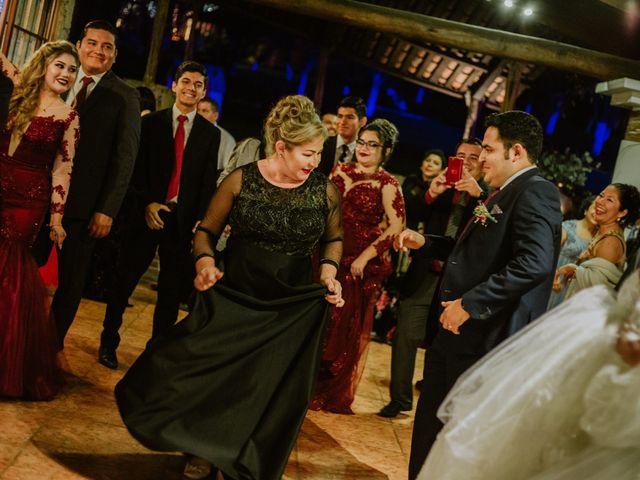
197 468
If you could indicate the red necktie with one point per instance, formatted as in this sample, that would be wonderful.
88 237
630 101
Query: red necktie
178 142
81 96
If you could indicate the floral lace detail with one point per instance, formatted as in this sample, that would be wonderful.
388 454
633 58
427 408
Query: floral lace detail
363 209
285 220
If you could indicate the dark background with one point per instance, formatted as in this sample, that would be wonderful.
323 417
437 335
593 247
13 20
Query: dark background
252 63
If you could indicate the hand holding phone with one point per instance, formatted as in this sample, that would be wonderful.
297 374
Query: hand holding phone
454 170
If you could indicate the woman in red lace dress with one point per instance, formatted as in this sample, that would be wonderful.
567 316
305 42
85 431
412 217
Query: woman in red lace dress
371 197
37 145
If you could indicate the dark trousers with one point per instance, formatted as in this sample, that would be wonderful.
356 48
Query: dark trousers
176 274
442 369
73 262
410 333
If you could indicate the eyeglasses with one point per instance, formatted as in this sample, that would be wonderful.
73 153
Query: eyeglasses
370 144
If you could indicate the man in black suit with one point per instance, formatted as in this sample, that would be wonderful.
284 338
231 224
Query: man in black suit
446 209
174 180
499 272
352 116
109 134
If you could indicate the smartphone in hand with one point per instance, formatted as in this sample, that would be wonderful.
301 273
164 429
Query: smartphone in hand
454 170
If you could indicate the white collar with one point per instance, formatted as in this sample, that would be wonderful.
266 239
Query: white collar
96 78
516 175
176 113
340 142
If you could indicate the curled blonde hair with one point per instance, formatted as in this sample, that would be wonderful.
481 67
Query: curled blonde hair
26 95
294 121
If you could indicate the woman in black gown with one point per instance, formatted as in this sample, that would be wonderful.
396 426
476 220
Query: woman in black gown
231 383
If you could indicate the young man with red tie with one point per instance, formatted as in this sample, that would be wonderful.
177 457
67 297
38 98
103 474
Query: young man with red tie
174 179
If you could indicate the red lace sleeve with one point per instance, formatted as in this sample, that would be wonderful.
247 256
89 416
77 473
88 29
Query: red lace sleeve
62 165
394 209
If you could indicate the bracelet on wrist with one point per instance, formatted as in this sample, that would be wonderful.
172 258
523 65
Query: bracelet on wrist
201 255
329 262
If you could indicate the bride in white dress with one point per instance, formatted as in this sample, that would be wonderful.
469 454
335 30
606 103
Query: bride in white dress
554 402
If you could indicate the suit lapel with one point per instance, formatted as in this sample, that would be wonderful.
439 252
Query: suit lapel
98 93
165 135
503 194
194 138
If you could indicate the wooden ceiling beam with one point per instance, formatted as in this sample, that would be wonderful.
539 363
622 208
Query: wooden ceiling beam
422 28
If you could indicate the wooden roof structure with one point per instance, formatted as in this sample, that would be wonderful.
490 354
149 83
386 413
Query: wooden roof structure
469 47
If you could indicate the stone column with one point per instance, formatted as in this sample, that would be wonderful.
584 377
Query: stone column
625 93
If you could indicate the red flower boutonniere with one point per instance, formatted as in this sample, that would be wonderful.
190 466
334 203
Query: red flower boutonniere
482 215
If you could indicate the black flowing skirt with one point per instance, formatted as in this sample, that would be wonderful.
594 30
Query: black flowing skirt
231 383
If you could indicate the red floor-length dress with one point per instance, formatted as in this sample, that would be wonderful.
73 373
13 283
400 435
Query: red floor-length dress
349 329
33 179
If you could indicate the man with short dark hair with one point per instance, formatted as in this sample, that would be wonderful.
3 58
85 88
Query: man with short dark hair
209 109
351 117
109 134
174 180
499 272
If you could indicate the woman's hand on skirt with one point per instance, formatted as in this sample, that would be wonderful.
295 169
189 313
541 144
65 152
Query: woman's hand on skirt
334 296
207 278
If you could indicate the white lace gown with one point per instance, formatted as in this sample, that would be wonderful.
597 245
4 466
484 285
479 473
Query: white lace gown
554 402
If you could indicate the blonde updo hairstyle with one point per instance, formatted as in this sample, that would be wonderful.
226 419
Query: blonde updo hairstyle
294 121
26 95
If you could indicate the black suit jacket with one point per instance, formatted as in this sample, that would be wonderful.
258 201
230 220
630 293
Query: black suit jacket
106 153
503 271
435 217
6 89
328 157
199 167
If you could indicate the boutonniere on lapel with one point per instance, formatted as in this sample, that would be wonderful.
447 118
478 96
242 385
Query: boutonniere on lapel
482 215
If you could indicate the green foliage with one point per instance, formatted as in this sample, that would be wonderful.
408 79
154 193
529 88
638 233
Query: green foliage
567 170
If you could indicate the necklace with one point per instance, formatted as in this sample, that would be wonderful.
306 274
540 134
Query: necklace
44 109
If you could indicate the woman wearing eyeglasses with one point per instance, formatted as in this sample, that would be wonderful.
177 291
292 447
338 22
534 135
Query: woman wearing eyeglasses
373 213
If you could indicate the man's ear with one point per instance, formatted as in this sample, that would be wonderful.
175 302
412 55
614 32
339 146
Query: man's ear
519 152
362 122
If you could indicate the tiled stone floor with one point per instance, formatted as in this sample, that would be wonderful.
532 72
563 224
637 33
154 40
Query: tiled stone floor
79 435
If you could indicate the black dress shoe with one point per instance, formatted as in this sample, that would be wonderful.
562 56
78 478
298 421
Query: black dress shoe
107 357
392 409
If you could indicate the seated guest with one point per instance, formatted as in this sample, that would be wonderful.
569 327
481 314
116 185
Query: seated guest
603 262
576 235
